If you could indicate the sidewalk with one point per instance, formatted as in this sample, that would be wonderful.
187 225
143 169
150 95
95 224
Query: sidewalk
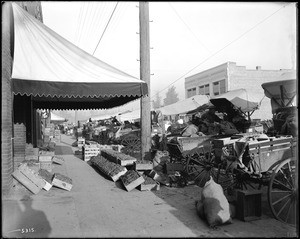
99 207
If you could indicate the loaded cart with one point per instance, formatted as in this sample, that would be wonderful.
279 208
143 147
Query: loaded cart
249 161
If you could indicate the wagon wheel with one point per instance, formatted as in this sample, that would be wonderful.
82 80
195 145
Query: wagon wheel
200 165
131 144
239 180
282 193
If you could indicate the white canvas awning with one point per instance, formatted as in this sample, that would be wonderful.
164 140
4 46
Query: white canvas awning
59 75
238 98
185 105
56 118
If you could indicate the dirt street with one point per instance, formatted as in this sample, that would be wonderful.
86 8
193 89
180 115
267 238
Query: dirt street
99 207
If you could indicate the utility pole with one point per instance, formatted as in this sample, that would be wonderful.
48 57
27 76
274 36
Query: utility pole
145 76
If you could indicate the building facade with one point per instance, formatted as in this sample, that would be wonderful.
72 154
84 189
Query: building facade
12 133
229 76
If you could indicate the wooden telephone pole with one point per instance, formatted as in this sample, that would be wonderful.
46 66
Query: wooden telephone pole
145 76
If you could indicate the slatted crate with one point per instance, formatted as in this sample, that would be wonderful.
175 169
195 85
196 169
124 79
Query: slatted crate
89 151
80 142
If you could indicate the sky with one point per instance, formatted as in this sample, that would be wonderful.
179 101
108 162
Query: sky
185 37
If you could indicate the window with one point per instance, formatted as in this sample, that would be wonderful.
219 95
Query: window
191 92
204 89
219 87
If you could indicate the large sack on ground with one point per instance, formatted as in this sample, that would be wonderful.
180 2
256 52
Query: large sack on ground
213 205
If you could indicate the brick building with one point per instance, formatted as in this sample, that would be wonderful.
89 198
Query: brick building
229 76
16 127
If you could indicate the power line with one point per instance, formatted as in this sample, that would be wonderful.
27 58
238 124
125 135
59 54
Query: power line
224 47
106 27
188 27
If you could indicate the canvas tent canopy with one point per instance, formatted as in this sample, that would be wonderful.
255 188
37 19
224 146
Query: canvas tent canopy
130 116
56 118
238 99
185 105
59 75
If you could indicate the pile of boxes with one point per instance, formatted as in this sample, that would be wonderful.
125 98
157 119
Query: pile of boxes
35 172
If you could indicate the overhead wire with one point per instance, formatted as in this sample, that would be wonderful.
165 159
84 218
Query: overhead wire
188 27
260 22
91 22
105 27
81 23
78 24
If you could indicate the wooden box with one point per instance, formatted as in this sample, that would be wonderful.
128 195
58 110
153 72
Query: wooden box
32 164
26 182
117 176
47 165
32 157
47 176
89 151
133 183
58 159
32 151
62 181
248 205
46 153
45 158
220 143
31 179
143 166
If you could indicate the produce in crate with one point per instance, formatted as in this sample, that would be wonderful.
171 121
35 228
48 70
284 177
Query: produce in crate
148 180
131 179
107 167
118 157
62 181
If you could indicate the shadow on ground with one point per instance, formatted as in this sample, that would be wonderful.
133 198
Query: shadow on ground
16 223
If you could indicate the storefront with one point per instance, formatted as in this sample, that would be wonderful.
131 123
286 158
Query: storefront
49 72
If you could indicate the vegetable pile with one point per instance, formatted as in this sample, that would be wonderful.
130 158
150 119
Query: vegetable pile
115 156
107 167
148 180
62 178
129 177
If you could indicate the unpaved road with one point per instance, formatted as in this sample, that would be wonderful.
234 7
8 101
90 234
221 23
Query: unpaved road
99 207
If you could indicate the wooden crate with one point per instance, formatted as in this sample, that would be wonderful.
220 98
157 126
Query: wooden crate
149 187
45 158
32 157
32 151
143 166
220 143
134 183
89 151
62 181
26 182
248 205
47 165
58 159
118 175
47 153
29 178
32 164
47 176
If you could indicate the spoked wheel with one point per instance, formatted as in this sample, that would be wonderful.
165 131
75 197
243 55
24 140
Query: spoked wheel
200 165
282 194
131 143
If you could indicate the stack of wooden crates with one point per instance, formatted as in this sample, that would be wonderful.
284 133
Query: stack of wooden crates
90 150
